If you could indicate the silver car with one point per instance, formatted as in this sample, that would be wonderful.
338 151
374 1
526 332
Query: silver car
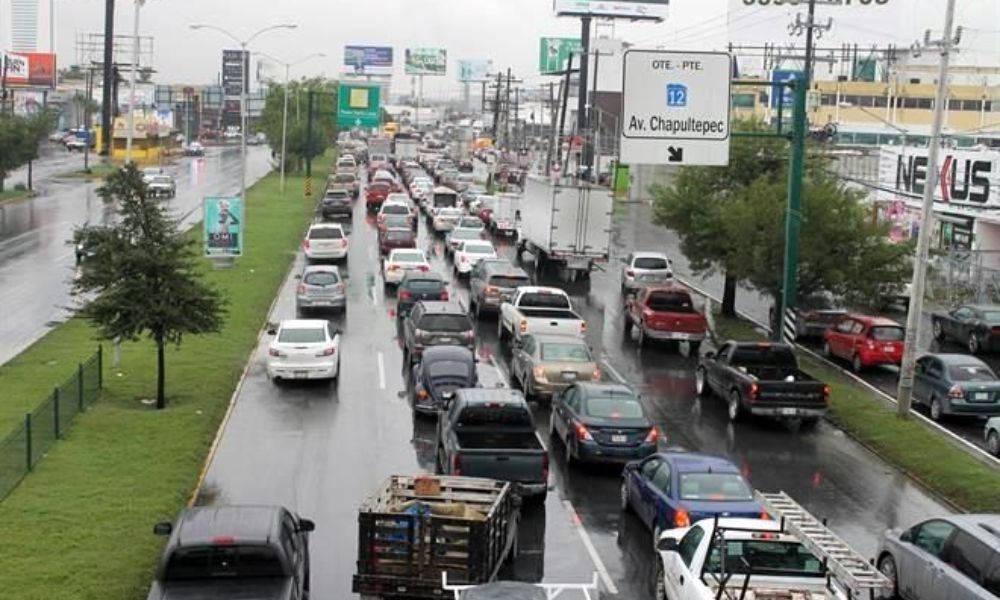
640 269
320 288
955 557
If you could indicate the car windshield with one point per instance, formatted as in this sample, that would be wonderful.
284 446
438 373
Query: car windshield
424 285
302 335
564 352
325 233
449 368
321 278
408 257
992 317
887 334
614 407
715 487
650 263
478 249
971 373
509 281
446 323
447 199
223 562
398 235
766 557
670 302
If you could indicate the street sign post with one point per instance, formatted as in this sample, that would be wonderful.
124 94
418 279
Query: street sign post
675 107
223 227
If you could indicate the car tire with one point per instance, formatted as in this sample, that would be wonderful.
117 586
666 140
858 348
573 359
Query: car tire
887 566
808 423
701 382
993 443
627 326
936 411
623 495
937 330
856 364
734 407
568 457
973 344
657 530
553 434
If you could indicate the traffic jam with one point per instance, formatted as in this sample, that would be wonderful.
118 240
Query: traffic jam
474 382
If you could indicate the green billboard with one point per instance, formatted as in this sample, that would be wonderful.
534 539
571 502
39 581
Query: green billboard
554 53
358 105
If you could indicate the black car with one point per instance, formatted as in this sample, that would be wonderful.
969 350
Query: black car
977 327
436 324
336 203
417 286
441 371
602 422
234 552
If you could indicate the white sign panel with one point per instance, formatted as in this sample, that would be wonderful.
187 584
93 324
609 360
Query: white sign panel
675 107
967 178
654 10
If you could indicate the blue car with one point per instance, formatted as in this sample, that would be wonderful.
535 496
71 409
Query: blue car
675 489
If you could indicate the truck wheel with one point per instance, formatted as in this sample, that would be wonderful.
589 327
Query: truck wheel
937 330
735 407
626 502
627 326
701 382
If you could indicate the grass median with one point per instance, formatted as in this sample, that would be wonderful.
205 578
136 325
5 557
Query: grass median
909 444
14 195
79 526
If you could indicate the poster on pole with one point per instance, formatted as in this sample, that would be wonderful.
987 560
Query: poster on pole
554 53
223 226
368 60
426 61
474 70
358 105
634 10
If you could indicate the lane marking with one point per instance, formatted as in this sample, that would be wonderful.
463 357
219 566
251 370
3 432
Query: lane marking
614 372
595 558
381 372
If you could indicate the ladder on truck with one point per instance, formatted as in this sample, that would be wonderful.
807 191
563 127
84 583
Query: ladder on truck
848 567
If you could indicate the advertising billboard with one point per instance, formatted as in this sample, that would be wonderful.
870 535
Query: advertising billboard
474 70
368 60
554 53
223 226
358 105
426 61
650 10
28 69
233 67
966 178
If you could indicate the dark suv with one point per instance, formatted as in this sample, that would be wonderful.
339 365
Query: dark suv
336 203
234 551
436 324
493 282
417 286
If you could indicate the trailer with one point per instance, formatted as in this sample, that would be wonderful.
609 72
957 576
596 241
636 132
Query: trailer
415 530
565 225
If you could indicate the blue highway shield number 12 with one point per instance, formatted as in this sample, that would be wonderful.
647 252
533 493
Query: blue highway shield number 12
677 95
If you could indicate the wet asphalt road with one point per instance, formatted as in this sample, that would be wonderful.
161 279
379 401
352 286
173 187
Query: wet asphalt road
321 450
36 258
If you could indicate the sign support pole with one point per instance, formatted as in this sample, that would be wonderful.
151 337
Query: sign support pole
581 102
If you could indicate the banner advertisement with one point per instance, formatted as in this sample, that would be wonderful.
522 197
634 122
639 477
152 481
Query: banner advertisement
223 227
233 67
358 105
554 53
474 70
652 10
426 61
28 69
368 60
968 178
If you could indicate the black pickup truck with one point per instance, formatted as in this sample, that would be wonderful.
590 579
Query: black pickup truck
258 552
761 378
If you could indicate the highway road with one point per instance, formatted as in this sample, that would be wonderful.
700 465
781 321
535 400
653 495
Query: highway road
37 261
321 450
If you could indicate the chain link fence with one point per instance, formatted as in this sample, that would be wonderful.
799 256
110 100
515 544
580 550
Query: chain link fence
28 443
961 278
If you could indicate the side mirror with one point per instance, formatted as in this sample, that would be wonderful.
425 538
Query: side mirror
666 544
306 525
163 528
906 536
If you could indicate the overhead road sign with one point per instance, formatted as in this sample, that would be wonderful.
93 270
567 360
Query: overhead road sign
636 10
554 53
368 60
426 61
358 105
675 107
223 227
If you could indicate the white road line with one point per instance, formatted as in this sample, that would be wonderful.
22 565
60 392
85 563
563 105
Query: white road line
381 372
63 257
614 373
501 370
595 558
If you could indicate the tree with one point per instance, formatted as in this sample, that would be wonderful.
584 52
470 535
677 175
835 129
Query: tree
143 275
324 113
19 140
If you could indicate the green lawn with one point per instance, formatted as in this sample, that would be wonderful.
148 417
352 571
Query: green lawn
98 170
12 195
78 527
906 443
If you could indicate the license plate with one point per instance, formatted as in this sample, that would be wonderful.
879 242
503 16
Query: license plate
682 336
619 439
322 302
789 412
569 375
649 277
889 349
446 340
982 396
300 374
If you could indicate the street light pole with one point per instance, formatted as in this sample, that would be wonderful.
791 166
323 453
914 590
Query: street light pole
131 85
284 126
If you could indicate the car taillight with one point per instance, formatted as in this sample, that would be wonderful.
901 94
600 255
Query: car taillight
539 373
595 375
423 268
583 327
393 267
826 391
405 295
420 333
456 464
870 344
464 258
682 518
305 243
339 287
343 242
492 291
652 436
583 434
444 295
469 334
630 272
523 326
274 352
753 391
328 351
302 289
956 392
764 516
422 394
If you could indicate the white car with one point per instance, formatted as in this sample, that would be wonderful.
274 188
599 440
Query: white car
402 260
325 241
470 252
304 349
150 172
645 268
445 219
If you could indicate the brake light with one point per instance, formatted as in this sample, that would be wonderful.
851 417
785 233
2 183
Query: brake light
456 464
826 391
339 287
393 267
630 272
956 392
764 535
469 335
274 352
583 434
753 391
422 394
492 291
223 540
328 351
682 518
764 516
302 289
405 295
583 327
305 243
652 436
595 375
523 326
444 294
423 268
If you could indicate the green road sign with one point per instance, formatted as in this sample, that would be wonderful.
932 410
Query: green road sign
554 53
223 227
358 105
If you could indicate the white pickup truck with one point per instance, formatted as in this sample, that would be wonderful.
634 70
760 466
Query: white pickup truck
538 310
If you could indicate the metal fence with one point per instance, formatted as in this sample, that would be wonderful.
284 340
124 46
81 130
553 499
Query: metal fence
961 278
21 450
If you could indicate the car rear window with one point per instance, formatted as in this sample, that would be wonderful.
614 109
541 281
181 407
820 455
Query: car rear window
325 233
344 178
478 249
563 352
395 209
473 222
714 486
767 557
302 335
650 263
425 285
509 281
510 416
223 562
544 300
971 373
408 257
449 323
613 408
670 302
397 220
449 368
321 278
445 199
763 356
887 334
397 235
464 234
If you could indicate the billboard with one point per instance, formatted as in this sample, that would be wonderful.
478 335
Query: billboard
233 67
223 226
474 70
966 178
554 53
651 10
358 105
426 61
28 69
368 60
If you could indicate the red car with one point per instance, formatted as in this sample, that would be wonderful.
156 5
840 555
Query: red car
375 195
665 312
865 341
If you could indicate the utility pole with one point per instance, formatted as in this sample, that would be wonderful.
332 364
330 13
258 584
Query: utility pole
107 124
562 114
506 112
131 85
496 110
309 137
552 127
913 318
517 102
482 97
581 102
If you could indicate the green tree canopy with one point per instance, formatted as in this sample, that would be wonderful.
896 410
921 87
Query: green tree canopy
19 140
324 117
